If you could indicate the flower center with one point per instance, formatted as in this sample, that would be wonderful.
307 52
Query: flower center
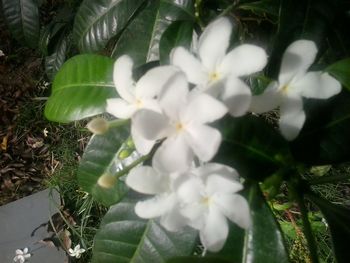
139 103
179 127
206 200
213 76
285 88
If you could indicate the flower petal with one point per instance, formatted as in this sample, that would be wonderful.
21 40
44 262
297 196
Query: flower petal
234 207
150 84
214 234
214 42
122 77
190 191
317 85
173 220
142 145
237 96
155 207
149 124
243 60
216 168
174 96
267 101
204 141
292 117
296 60
203 108
217 183
189 64
146 180
120 108
174 155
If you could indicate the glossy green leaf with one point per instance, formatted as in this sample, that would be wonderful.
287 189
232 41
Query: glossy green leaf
22 17
338 219
80 88
124 237
252 146
177 34
96 22
55 61
198 260
341 71
100 157
141 38
262 242
325 138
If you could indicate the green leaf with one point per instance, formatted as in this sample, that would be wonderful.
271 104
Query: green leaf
252 146
100 157
124 237
55 61
324 138
270 7
177 34
341 71
96 22
338 219
141 38
80 88
22 17
263 241
198 260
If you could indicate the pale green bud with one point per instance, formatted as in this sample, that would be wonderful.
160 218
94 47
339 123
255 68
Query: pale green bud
98 125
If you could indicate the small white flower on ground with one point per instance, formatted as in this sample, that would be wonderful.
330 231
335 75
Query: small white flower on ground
140 95
218 73
183 124
164 204
294 83
209 197
21 255
1 53
76 252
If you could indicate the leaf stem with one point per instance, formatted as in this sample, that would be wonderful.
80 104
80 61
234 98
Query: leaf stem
133 164
329 179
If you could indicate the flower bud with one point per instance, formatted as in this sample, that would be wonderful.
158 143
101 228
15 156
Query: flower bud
107 181
98 125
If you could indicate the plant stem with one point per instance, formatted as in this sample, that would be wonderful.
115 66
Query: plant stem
307 228
329 179
132 165
229 8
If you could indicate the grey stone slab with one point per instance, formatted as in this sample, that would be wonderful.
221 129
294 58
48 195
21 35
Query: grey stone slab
18 220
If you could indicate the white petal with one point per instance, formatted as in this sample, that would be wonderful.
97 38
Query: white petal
189 64
203 108
150 84
155 206
142 145
292 117
174 96
19 252
151 104
122 77
217 183
190 191
214 234
26 256
266 101
235 207
174 155
25 250
296 60
215 168
149 124
214 42
317 85
120 108
204 141
173 220
237 96
243 60
145 179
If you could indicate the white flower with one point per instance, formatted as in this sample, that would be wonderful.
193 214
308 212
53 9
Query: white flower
209 197
21 255
183 124
76 252
294 82
164 204
1 53
135 96
216 72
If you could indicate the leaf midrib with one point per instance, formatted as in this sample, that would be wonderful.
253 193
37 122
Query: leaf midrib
55 89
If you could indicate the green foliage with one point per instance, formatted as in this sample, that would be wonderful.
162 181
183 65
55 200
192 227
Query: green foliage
85 93
341 71
124 237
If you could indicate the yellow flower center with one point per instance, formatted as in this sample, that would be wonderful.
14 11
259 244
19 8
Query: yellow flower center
179 127
285 88
213 76
206 200
139 103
